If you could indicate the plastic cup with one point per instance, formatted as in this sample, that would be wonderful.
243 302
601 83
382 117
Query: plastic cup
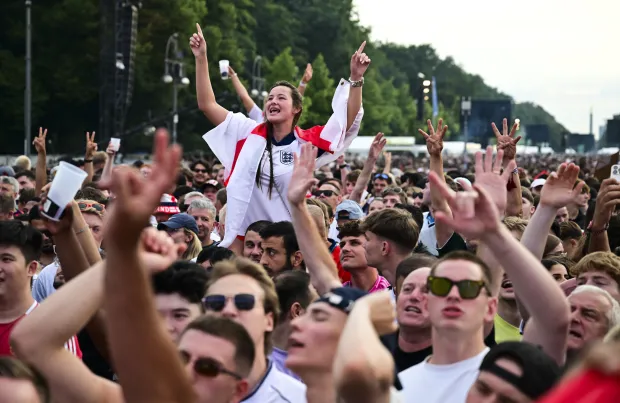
66 183
116 143
224 69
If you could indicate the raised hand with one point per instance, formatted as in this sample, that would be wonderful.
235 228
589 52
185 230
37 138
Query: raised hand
231 72
302 179
377 146
91 146
197 42
559 189
434 139
606 201
110 150
507 141
381 310
359 63
157 250
307 74
474 213
39 141
489 178
137 197
65 222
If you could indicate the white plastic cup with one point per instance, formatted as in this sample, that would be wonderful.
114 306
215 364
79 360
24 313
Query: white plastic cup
66 183
116 143
224 69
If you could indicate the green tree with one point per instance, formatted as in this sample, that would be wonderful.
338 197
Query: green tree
321 90
282 68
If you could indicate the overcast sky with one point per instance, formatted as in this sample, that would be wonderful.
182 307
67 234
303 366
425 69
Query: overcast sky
561 54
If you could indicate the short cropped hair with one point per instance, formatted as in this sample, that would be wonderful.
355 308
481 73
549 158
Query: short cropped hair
352 228
292 286
570 230
395 225
231 331
284 230
187 279
27 173
26 238
605 262
202 203
258 226
221 196
248 268
487 274
414 262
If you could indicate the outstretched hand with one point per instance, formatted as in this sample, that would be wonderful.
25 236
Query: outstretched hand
39 141
302 179
377 146
359 63
307 74
197 42
474 213
507 141
91 146
559 189
489 178
434 139
137 197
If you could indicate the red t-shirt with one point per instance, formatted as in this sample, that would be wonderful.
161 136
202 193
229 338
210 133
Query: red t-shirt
342 273
5 335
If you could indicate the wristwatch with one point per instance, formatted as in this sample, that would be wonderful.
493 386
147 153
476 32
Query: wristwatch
357 83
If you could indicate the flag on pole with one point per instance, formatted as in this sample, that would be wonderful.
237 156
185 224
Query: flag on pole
434 95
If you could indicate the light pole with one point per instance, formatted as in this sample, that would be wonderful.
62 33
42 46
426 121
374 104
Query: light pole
465 111
258 82
173 73
28 90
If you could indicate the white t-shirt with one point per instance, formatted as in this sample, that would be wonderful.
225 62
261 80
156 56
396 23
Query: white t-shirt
428 237
277 387
431 383
256 114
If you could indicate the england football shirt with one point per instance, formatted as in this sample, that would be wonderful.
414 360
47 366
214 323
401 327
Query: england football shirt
277 387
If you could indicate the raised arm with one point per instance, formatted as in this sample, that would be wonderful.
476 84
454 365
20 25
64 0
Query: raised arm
305 80
507 142
242 92
91 148
320 264
41 170
434 146
477 217
39 339
359 64
133 325
606 202
369 165
204 91
363 367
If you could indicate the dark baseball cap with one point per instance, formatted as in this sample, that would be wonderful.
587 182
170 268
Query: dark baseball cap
181 220
342 298
539 372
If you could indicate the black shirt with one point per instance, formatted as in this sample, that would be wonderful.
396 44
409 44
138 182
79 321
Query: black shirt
92 359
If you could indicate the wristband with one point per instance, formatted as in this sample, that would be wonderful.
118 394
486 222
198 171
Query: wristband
302 84
343 166
87 161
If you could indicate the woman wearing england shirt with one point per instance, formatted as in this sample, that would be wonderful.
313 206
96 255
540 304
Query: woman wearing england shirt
259 159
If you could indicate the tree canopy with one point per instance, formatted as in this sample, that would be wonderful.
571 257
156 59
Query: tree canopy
286 33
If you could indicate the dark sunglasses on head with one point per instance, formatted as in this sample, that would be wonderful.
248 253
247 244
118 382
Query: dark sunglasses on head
326 193
201 171
96 206
217 302
468 289
381 176
417 195
209 367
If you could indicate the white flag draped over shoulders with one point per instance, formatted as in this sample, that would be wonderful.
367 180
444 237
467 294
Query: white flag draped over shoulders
239 144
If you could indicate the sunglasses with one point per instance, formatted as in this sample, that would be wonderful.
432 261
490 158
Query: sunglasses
217 302
326 193
201 171
417 195
381 176
468 289
96 206
209 367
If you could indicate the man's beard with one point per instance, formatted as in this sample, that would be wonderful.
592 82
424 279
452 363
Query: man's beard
48 248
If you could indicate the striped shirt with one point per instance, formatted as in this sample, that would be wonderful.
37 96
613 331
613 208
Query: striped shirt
5 336
380 284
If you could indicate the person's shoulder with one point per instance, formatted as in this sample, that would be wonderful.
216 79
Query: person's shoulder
286 382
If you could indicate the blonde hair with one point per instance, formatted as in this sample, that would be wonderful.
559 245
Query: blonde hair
194 247
515 224
605 262
23 162
248 268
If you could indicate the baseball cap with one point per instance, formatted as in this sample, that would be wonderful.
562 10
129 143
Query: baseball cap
539 372
349 210
213 183
538 182
342 298
167 205
181 220
461 179
7 171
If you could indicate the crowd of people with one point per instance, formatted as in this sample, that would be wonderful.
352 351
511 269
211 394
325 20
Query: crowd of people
285 271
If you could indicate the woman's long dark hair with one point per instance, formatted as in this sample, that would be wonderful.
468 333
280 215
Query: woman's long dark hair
297 103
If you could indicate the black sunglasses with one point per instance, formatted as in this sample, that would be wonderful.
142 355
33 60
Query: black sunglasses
217 302
381 176
209 367
202 171
326 193
468 289
417 195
